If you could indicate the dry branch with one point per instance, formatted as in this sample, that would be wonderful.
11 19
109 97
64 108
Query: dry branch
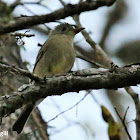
72 82
69 10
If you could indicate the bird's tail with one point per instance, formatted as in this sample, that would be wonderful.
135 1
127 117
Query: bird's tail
22 119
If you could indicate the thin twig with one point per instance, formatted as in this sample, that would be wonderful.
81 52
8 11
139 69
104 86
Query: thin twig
22 34
30 11
123 121
67 109
62 2
88 60
58 108
36 3
125 114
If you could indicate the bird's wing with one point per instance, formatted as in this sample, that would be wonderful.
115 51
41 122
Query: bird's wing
39 56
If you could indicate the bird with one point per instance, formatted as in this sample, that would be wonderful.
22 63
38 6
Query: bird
56 56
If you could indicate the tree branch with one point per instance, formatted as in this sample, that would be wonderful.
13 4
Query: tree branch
72 82
12 69
68 10
135 97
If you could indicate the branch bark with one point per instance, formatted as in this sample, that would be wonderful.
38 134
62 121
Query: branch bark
73 82
68 10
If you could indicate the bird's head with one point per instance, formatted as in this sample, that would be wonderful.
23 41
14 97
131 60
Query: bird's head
66 29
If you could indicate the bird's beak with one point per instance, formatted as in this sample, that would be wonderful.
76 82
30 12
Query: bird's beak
77 30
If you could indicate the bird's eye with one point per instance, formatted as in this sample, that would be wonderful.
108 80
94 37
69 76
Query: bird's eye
63 29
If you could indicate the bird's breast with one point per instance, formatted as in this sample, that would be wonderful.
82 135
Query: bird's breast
58 58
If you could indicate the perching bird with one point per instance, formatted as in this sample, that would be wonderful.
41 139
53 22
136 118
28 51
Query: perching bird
56 56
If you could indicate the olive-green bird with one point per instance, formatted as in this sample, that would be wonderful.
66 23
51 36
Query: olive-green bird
56 56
